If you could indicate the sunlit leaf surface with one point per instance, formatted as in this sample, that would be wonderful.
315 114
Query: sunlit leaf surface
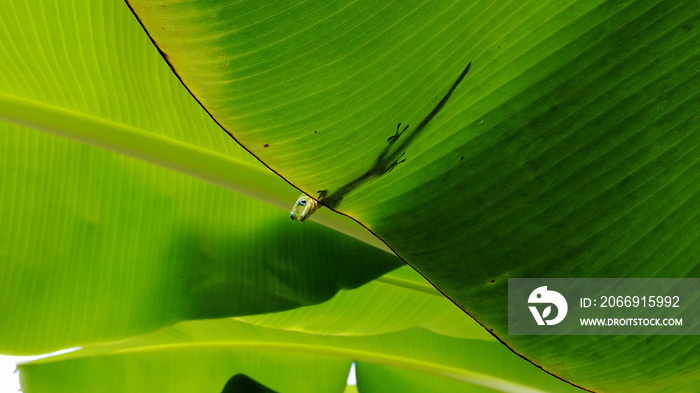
95 246
570 149
205 355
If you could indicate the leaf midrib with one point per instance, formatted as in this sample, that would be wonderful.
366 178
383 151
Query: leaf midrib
216 168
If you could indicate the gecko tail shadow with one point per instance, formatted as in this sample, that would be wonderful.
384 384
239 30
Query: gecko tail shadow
392 154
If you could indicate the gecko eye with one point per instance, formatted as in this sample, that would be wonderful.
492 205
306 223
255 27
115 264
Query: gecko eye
302 202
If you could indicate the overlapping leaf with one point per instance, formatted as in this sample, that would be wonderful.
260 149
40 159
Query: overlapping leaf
95 246
569 150
309 348
204 355
398 300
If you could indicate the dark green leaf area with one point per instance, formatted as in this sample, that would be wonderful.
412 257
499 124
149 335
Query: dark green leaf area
293 265
241 383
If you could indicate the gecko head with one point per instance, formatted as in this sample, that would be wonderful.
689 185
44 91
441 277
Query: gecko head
303 208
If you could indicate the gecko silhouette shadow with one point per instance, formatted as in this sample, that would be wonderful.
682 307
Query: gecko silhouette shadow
392 155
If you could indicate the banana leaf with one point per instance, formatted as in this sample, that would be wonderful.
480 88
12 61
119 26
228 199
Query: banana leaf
96 246
544 139
215 355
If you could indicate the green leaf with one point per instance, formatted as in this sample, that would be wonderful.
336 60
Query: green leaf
570 149
98 247
103 247
351 389
203 355
312 345
109 88
396 301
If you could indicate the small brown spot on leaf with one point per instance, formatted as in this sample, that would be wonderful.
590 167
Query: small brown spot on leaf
266 145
